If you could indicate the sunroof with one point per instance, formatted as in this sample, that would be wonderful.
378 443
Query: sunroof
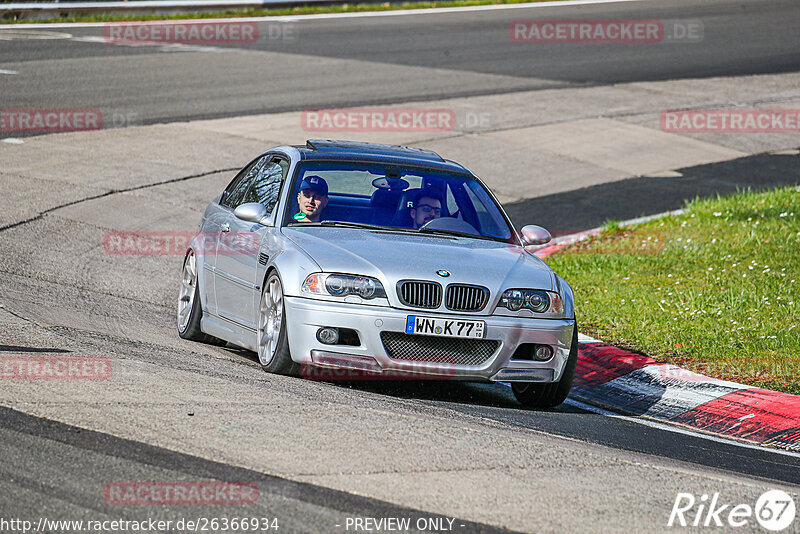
332 145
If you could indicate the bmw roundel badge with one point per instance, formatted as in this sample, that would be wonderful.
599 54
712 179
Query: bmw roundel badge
443 273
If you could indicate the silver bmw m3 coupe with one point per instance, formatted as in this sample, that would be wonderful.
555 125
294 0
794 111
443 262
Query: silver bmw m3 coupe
377 261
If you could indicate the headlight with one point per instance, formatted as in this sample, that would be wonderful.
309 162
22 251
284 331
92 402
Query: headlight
532 299
342 285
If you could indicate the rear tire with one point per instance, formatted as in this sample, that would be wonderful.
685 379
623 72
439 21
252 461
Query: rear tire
549 395
190 309
273 343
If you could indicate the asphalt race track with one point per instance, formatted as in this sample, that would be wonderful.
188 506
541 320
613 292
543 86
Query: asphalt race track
363 61
447 456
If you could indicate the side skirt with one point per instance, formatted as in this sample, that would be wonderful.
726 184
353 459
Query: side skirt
230 331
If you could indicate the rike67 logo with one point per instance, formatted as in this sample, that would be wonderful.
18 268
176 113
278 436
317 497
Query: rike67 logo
774 510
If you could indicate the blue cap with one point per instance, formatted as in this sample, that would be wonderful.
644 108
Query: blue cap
316 183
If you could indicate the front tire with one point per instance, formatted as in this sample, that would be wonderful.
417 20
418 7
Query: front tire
273 345
549 395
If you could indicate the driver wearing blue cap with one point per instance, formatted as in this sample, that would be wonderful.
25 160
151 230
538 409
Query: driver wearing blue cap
312 199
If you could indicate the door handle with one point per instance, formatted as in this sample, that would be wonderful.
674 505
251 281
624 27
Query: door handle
225 228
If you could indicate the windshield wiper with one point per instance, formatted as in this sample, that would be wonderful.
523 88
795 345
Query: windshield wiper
365 226
458 234
348 224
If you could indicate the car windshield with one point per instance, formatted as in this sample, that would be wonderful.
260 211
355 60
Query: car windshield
351 194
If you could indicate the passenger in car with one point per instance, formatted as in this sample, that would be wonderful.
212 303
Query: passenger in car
427 207
311 199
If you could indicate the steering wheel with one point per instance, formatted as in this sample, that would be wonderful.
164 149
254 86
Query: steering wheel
451 224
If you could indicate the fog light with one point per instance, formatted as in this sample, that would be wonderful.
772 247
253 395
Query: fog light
543 353
328 335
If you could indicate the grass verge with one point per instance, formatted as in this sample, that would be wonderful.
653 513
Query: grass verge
714 290
273 12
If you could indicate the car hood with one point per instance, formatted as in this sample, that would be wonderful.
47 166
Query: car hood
393 256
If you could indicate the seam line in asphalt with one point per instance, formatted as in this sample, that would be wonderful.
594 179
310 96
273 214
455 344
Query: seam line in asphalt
72 286
113 192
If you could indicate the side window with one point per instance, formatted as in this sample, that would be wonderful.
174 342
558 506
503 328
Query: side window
491 221
236 189
469 207
452 206
483 213
284 167
265 188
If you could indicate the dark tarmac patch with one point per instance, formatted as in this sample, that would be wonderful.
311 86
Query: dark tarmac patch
590 207
280 498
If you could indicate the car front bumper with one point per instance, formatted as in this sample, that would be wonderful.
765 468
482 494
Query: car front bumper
304 318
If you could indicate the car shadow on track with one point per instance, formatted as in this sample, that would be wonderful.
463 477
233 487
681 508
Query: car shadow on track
495 403
452 392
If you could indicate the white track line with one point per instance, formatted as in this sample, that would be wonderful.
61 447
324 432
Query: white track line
323 16
669 427
674 428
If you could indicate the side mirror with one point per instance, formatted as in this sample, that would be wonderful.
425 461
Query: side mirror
535 235
252 212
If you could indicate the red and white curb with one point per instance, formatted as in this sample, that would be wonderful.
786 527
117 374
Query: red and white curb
626 382
623 381
560 242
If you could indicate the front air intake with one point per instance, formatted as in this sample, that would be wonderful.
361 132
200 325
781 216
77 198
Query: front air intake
465 298
420 293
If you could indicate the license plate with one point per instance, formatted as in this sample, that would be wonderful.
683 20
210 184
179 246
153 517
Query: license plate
436 326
